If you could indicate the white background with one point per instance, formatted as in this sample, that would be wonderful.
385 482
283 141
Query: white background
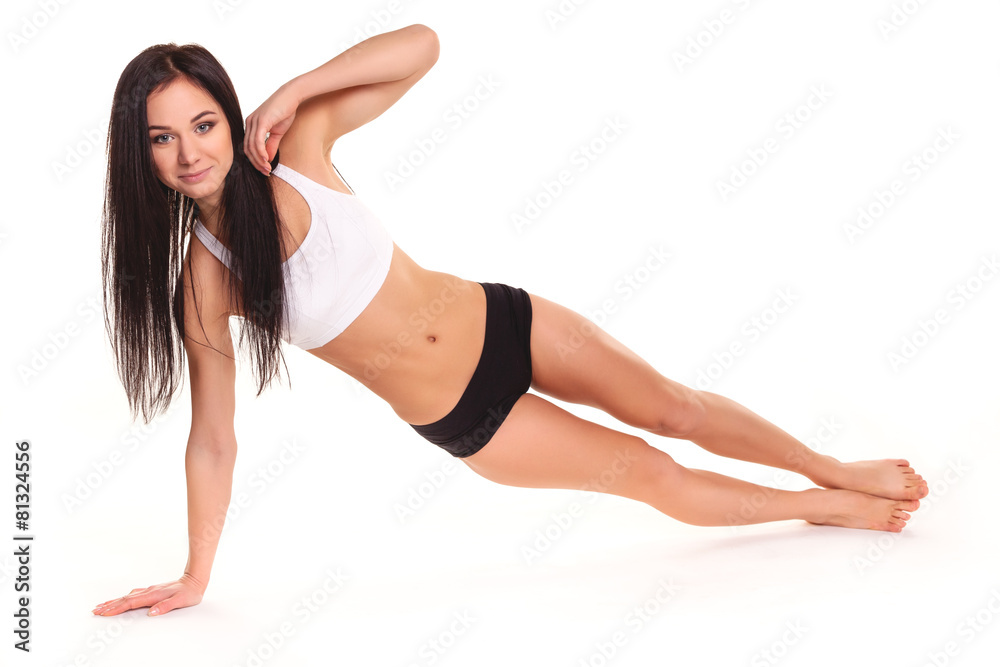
851 596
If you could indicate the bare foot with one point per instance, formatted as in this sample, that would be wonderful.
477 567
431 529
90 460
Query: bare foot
886 478
852 509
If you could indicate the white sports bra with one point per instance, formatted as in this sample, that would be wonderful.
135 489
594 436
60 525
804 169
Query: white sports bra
336 271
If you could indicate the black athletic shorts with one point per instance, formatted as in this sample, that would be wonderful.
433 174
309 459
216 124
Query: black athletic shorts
502 376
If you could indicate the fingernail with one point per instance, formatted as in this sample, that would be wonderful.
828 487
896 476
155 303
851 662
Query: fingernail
153 612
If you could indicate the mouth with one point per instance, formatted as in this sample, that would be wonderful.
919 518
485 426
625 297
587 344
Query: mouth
195 176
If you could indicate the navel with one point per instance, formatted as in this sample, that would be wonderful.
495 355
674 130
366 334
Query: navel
432 338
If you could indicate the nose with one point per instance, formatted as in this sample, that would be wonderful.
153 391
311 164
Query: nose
187 151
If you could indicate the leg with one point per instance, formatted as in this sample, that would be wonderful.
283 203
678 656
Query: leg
576 361
543 446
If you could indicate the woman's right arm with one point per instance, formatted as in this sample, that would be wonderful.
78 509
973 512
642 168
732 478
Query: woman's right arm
211 447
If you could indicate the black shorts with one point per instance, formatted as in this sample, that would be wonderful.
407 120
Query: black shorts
502 376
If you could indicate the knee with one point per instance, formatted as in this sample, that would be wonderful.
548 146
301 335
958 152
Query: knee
683 414
657 472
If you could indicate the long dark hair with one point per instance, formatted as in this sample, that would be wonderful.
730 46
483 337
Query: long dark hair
145 225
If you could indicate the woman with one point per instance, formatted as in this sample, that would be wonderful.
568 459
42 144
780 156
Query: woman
452 357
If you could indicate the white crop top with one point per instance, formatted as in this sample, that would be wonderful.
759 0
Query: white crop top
336 271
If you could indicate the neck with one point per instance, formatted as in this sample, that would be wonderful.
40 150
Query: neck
208 213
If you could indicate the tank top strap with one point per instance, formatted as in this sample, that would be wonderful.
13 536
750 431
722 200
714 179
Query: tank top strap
213 244
305 186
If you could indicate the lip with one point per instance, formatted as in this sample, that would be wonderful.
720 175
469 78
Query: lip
195 177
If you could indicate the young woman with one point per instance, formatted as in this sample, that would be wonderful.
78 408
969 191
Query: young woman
280 241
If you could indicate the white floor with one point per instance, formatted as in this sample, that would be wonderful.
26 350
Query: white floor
351 540
324 561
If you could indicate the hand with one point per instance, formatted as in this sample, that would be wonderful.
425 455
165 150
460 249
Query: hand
275 115
185 592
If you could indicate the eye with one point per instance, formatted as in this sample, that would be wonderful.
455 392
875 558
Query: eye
156 139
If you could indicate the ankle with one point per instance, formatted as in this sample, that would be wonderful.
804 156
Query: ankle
815 506
825 471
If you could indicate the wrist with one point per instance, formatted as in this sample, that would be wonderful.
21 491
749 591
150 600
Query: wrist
296 89
199 583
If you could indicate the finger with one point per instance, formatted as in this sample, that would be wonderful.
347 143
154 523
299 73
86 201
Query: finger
114 602
248 139
271 147
246 135
162 607
129 602
255 143
262 148
259 150
112 607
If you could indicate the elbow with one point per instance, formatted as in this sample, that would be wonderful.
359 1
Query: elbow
430 46
220 446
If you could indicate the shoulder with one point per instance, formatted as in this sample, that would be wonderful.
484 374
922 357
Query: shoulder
312 162
205 280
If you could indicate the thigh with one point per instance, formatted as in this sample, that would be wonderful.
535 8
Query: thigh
574 360
540 445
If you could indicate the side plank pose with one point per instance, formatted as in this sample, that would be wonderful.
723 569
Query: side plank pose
283 243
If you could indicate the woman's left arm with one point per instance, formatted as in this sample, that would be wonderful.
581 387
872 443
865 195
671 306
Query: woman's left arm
343 94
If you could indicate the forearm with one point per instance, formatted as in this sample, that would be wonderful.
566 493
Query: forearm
209 488
390 56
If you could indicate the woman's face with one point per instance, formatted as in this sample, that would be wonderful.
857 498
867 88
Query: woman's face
190 141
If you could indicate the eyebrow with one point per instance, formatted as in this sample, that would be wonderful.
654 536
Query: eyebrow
161 127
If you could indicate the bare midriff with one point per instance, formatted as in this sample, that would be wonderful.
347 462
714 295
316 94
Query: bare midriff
418 342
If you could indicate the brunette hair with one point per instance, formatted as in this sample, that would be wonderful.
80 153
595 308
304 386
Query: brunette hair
145 225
